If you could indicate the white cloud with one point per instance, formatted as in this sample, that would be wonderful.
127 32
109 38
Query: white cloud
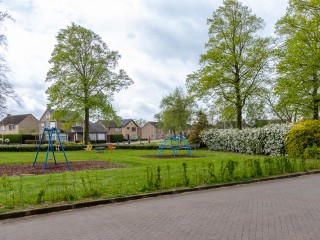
159 41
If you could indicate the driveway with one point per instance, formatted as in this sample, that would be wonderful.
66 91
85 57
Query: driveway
280 209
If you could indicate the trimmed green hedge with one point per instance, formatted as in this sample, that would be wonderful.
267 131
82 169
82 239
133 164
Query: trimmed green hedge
67 147
19 138
33 148
116 138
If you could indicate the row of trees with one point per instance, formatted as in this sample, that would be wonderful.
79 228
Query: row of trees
236 73
242 74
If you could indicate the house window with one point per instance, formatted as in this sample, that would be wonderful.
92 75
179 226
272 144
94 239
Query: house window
92 136
101 136
11 127
117 129
47 116
128 128
133 129
43 125
52 124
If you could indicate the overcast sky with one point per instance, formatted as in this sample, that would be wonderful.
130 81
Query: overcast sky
159 42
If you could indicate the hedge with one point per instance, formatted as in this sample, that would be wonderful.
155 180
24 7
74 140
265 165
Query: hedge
303 135
268 140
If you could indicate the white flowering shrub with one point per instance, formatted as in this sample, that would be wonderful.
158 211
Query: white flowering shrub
267 140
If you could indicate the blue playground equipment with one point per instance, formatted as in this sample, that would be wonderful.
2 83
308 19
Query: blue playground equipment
175 143
50 147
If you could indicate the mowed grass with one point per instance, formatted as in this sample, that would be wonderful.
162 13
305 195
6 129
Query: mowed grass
141 174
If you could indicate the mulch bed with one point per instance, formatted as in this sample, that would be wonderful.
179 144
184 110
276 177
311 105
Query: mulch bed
27 169
171 156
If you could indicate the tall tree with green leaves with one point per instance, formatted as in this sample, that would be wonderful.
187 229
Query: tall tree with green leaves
6 88
299 57
201 123
176 111
234 68
83 77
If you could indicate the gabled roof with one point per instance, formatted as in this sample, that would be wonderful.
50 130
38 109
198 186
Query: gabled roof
123 123
93 128
152 123
14 119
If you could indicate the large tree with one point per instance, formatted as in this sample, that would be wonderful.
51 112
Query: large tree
176 111
233 70
6 88
299 54
83 77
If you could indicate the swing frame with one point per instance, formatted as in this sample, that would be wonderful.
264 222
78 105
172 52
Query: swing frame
50 147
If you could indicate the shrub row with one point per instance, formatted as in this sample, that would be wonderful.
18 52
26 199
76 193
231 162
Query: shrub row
33 148
69 147
18 138
268 140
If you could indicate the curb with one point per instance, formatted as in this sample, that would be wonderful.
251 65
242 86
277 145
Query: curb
65 207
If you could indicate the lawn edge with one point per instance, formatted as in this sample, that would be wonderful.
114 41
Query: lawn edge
59 208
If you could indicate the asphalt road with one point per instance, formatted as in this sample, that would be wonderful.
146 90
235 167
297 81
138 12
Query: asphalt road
280 209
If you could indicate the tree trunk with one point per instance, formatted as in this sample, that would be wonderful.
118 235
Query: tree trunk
86 126
239 116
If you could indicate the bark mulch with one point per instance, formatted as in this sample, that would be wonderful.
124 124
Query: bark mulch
27 169
171 156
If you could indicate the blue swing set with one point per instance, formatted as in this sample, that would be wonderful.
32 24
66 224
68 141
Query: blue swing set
50 131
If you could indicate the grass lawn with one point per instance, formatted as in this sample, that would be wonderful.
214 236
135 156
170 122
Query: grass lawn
140 175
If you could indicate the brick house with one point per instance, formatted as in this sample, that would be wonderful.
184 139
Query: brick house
151 130
17 124
127 127
97 132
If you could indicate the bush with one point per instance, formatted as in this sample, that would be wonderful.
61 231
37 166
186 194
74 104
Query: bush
268 140
301 136
116 138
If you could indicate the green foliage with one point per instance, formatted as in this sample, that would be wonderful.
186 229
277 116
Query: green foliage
233 69
84 77
301 136
116 138
298 84
200 125
140 175
176 111
19 138
312 152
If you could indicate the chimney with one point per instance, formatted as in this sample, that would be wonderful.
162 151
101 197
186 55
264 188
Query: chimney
8 114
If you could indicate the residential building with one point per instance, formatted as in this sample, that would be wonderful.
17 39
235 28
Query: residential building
127 127
150 129
17 124
97 132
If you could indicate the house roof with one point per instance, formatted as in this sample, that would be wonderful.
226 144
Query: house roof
14 119
152 123
93 128
123 123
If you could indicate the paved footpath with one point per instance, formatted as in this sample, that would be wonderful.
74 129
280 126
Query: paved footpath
281 209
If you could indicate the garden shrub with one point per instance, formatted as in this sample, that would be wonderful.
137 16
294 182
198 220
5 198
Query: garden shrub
301 136
116 138
268 140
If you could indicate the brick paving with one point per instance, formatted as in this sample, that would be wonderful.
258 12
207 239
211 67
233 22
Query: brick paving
281 209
